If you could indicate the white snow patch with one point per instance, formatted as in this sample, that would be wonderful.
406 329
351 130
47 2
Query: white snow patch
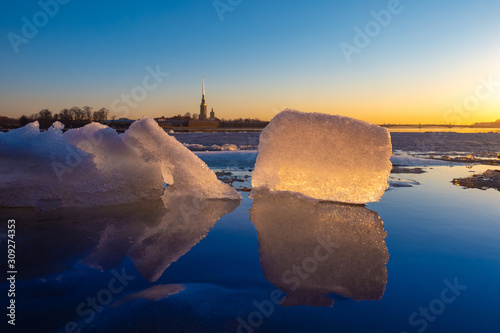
229 147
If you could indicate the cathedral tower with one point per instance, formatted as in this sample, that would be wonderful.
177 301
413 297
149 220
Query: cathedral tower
203 105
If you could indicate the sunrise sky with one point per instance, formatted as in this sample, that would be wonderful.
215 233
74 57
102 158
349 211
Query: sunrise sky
258 57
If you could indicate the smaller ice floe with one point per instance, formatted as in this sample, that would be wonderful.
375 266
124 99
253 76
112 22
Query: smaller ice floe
95 166
471 158
229 178
195 147
483 181
325 157
214 147
229 147
224 147
408 160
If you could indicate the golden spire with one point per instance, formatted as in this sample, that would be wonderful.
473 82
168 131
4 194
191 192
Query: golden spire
203 84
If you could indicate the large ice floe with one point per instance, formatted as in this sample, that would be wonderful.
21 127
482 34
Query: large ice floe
325 157
95 166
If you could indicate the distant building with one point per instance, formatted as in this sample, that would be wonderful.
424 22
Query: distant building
198 121
203 105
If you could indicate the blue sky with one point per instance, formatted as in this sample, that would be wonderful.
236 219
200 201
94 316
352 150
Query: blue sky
264 56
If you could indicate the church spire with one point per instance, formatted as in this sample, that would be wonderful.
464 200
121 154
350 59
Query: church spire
203 84
203 105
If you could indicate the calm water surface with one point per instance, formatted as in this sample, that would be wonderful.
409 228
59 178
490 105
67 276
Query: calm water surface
423 259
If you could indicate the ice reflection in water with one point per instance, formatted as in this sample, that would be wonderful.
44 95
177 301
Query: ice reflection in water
153 233
309 249
185 221
154 293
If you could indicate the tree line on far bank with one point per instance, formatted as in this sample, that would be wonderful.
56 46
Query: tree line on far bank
71 118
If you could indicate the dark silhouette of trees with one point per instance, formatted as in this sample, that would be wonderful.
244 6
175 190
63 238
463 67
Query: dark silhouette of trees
45 118
78 116
101 115
71 118
87 113
66 117
23 120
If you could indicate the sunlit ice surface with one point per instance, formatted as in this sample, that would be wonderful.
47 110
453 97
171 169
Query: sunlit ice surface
324 157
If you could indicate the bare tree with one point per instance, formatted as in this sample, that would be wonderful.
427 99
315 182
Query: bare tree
45 118
101 115
87 113
23 120
78 115
66 117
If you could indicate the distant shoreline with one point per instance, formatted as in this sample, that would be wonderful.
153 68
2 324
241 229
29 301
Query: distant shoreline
121 127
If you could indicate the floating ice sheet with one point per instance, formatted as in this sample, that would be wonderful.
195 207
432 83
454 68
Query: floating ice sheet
325 157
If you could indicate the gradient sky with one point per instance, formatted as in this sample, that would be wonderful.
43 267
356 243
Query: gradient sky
263 57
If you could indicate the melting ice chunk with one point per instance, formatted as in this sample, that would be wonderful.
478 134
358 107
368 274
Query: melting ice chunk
94 166
180 166
326 157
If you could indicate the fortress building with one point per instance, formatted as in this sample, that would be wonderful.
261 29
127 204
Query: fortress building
202 121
